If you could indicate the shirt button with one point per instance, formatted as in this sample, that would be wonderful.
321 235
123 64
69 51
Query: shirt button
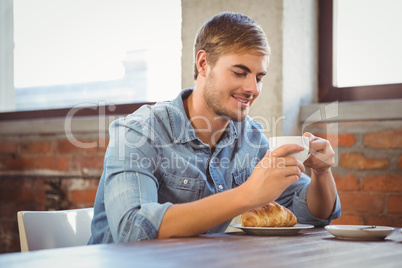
185 181
220 187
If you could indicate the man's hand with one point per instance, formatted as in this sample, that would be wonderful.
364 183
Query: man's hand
321 193
273 174
322 155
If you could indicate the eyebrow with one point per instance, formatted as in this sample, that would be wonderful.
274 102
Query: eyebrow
246 69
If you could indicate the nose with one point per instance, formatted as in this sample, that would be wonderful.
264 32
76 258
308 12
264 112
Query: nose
252 86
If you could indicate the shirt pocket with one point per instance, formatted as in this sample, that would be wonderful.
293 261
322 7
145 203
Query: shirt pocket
177 189
241 175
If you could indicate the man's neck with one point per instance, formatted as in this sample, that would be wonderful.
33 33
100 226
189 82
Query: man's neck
208 126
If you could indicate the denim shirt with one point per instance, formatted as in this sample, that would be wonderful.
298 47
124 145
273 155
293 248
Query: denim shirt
155 159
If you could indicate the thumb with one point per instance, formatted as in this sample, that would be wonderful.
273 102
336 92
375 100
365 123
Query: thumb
309 136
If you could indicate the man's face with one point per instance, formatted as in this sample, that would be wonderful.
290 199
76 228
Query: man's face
233 84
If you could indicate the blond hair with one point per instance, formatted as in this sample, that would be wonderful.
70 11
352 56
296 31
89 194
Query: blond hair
229 32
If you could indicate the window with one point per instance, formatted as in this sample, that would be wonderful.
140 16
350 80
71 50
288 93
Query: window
359 55
73 53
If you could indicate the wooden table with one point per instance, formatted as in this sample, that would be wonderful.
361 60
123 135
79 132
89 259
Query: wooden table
310 248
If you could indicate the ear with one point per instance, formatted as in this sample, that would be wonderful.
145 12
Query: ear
201 61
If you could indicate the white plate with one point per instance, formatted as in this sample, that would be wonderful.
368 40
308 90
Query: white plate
273 230
359 232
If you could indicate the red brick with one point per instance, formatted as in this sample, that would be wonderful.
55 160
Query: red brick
9 228
342 139
38 183
349 219
20 164
360 162
383 183
8 209
7 148
53 163
10 239
23 183
384 220
346 139
97 146
386 139
18 195
83 196
90 162
362 202
3 163
40 195
400 162
66 147
16 191
101 146
349 182
394 204
36 147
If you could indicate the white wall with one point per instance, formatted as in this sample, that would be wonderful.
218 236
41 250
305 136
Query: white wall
299 60
6 54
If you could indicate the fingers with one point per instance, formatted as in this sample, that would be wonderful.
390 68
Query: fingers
273 174
292 179
322 155
317 144
271 160
281 153
292 171
309 136
291 161
287 149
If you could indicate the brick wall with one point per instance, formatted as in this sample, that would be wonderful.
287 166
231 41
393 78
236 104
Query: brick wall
45 172
368 173
50 156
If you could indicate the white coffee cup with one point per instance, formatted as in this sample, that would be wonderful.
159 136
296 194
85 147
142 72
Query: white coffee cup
275 142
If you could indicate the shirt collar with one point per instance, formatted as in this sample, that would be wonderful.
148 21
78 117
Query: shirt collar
183 131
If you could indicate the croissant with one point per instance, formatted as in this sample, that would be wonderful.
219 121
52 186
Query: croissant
271 215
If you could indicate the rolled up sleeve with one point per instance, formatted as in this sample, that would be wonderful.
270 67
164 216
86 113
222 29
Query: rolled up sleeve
132 208
295 199
131 188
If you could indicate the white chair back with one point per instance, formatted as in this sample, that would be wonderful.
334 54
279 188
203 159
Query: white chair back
54 229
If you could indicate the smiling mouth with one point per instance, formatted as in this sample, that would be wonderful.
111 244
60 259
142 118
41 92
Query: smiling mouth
243 102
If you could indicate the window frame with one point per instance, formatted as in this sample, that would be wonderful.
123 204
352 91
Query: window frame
98 110
326 91
118 109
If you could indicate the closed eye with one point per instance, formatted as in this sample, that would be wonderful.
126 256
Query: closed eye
237 74
240 74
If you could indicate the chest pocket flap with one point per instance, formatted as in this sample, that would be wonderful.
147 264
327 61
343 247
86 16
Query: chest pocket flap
178 189
241 175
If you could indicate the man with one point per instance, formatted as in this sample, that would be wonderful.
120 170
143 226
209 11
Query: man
188 166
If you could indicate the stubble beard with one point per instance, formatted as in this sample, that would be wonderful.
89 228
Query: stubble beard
213 102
